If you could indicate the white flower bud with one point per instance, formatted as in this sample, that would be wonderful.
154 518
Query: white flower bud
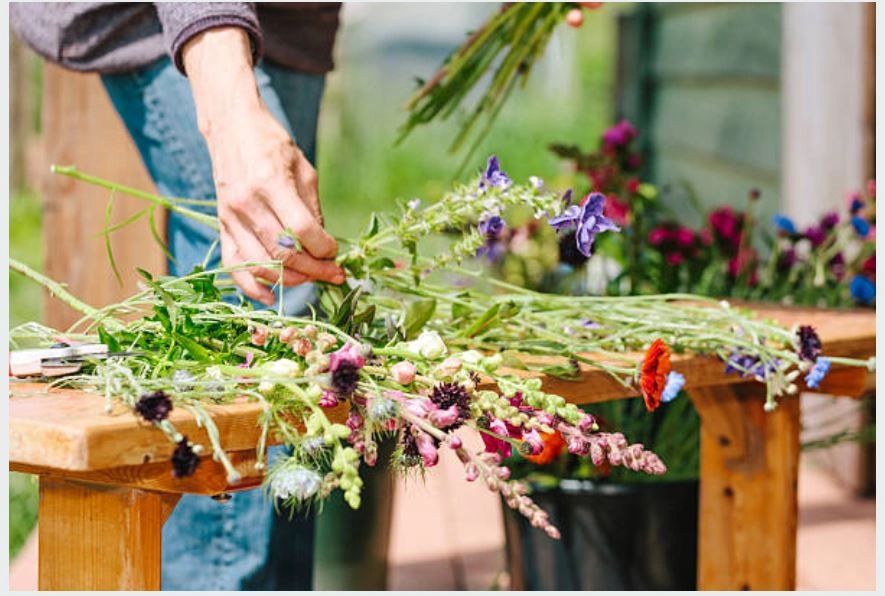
428 345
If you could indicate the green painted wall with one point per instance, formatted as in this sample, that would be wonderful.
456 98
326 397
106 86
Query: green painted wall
703 83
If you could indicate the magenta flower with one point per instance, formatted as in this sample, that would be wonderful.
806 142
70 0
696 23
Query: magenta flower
494 444
619 135
328 400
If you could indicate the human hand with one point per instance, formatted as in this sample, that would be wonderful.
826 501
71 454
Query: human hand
265 185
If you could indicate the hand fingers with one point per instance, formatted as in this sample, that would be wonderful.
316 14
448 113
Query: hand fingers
296 216
244 279
314 268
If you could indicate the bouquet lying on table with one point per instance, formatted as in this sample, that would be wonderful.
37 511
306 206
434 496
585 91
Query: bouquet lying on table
412 355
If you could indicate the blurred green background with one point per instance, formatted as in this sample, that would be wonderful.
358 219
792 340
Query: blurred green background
381 49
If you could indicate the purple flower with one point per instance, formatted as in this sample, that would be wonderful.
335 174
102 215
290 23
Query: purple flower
588 219
345 365
809 343
494 175
675 383
154 407
861 226
784 224
491 226
863 290
829 221
786 260
816 235
749 366
184 460
493 250
817 373
619 135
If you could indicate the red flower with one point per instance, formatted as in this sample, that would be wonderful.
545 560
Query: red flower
553 446
616 210
633 185
674 258
653 373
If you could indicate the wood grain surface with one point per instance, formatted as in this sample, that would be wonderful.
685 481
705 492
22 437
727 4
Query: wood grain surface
68 430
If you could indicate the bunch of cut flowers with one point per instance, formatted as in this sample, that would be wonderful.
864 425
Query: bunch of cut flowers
421 347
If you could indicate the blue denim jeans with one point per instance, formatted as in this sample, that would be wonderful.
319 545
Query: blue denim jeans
243 543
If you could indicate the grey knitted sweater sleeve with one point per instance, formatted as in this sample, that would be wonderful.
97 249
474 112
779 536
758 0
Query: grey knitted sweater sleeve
110 37
181 21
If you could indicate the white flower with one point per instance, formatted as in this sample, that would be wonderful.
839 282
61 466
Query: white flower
428 345
279 368
470 357
536 182
298 482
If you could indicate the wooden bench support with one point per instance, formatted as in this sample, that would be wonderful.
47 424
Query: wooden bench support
99 537
748 500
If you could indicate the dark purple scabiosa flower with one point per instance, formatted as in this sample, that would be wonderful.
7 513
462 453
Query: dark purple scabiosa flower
494 176
816 235
154 407
345 365
491 225
837 266
784 225
861 226
184 460
588 221
786 260
809 343
446 395
829 221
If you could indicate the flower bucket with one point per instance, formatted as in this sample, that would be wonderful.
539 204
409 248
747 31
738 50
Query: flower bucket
614 537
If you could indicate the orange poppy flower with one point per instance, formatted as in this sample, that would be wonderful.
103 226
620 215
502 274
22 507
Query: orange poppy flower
553 446
653 373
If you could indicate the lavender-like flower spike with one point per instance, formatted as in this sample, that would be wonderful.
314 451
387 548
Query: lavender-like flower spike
491 225
612 448
675 383
494 176
817 373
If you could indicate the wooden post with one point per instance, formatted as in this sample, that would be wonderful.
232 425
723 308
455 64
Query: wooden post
748 501
95 537
82 128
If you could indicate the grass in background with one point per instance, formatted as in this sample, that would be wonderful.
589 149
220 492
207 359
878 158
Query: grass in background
25 304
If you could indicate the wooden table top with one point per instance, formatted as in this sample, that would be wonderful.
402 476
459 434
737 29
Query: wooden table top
66 429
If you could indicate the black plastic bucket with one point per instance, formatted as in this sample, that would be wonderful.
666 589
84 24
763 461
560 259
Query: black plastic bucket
614 537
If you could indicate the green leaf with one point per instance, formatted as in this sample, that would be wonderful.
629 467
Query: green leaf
560 371
109 340
372 227
193 348
484 321
347 307
417 315
510 360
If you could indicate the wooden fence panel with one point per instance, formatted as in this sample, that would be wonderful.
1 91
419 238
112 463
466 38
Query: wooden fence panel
82 128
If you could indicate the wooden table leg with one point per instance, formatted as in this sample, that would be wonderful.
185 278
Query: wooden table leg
748 500
99 537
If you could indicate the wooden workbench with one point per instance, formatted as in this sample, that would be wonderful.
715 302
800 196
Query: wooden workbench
106 486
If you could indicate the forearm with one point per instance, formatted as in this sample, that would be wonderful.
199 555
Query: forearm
218 63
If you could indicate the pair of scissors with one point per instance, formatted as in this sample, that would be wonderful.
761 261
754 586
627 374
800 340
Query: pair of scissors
58 360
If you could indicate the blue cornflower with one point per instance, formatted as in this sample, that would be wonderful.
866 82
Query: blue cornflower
861 226
588 220
817 373
784 224
749 366
675 383
494 175
857 204
491 225
863 290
